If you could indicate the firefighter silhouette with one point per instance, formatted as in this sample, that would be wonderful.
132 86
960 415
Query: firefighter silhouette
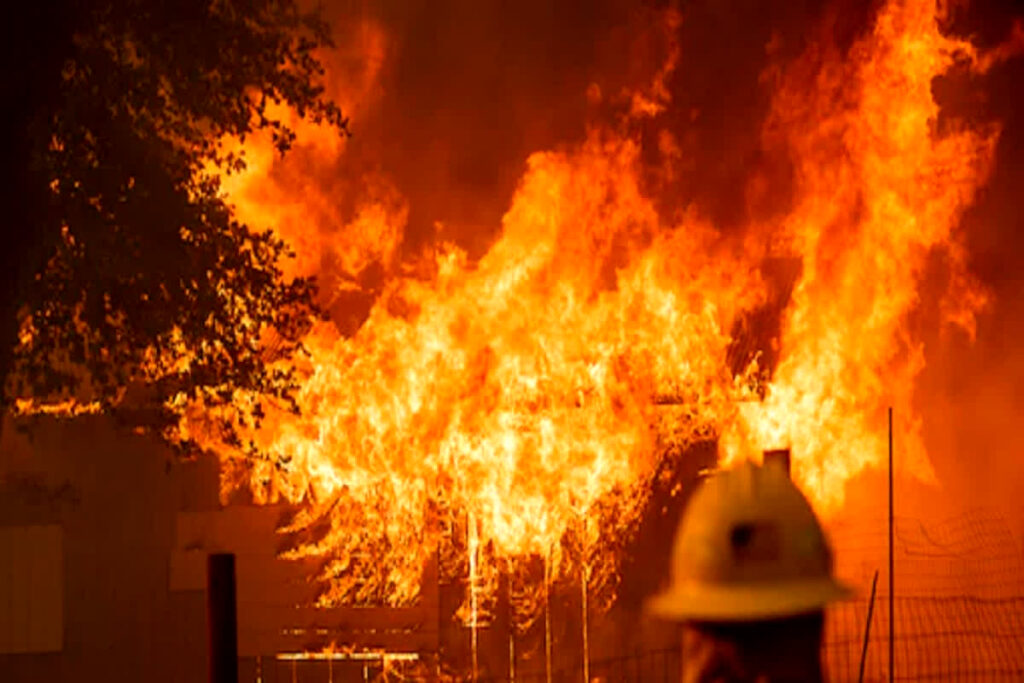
751 573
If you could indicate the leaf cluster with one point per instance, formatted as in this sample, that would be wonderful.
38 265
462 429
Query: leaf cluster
151 280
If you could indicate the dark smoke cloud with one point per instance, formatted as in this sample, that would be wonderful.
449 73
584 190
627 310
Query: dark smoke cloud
972 394
472 88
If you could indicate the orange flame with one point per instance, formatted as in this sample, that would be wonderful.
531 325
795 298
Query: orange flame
519 394
879 188
520 389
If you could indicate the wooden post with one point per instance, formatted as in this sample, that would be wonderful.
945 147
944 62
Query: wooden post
222 617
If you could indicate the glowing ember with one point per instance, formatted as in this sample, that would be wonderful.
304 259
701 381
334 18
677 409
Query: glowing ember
494 411
67 408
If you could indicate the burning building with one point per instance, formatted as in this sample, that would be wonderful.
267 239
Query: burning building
545 319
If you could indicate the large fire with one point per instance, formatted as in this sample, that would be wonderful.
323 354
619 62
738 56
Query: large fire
510 407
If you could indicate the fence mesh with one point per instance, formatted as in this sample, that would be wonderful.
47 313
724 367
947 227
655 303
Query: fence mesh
959 605
958 611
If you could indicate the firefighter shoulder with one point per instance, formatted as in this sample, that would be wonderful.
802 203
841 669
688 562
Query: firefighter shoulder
749 548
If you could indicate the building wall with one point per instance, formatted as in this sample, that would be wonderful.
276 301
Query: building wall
114 499
135 526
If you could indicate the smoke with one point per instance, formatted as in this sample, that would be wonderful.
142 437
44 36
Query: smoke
972 392
468 90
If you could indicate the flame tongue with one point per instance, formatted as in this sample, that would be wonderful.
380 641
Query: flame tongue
878 190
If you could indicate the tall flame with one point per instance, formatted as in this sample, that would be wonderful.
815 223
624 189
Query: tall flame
879 188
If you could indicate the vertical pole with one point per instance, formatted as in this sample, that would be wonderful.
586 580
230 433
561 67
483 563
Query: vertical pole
222 617
512 655
473 543
547 617
867 629
511 631
892 595
586 635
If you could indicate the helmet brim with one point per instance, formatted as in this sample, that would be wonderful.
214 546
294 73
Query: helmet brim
747 602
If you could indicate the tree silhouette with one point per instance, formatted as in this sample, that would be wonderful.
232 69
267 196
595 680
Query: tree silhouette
122 264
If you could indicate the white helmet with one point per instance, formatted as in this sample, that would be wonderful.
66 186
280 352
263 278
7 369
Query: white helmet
748 548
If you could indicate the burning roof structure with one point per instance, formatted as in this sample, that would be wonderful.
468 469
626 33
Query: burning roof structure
493 406
533 329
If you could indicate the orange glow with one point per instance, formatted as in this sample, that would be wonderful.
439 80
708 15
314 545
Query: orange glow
66 408
488 410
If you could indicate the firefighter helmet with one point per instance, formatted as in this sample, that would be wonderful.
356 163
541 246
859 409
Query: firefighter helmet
748 548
